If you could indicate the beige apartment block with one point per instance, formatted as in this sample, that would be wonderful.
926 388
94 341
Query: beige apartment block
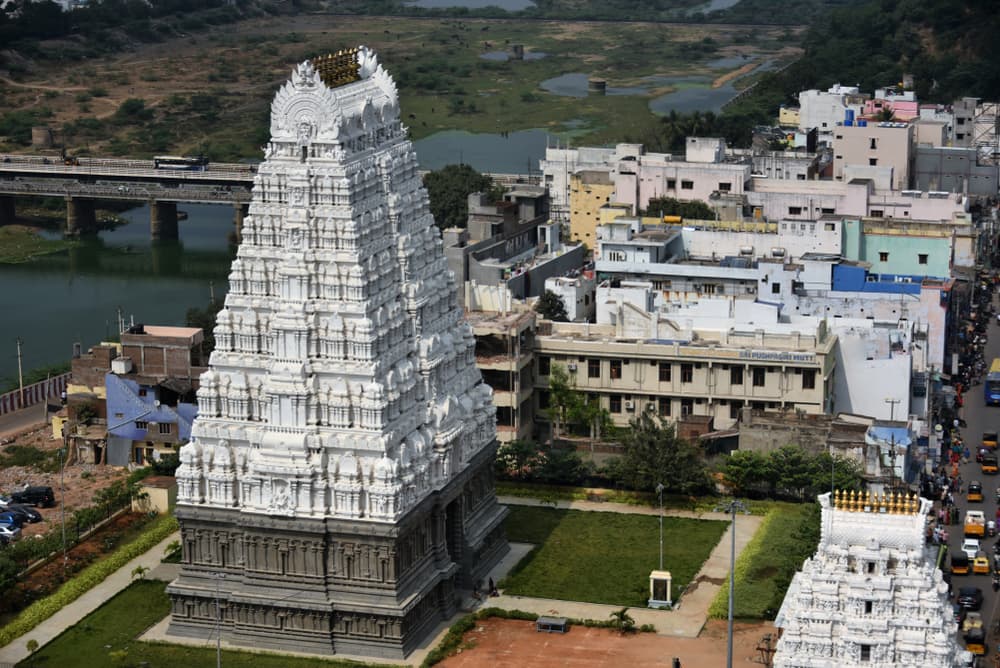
874 145
505 358
706 373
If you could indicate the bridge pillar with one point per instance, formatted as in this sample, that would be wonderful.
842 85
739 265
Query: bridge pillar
239 213
80 218
7 211
163 221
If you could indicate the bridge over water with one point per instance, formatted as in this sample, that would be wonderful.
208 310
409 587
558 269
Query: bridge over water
91 179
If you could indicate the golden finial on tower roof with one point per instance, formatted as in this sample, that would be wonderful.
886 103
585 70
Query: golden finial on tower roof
337 69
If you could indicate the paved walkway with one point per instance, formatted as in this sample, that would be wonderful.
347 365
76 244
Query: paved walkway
686 619
86 604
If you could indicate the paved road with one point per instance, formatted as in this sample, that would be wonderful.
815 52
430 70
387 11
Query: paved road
980 418
15 422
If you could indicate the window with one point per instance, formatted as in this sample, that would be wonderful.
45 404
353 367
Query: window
873 143
883 256
960 121
868 607
877 213
687 373
873 162
671 184
725 187
665 406
141 424
142 391
828 210
119 415
593 368
736 375
775 288
795 211
922 258
687 407
759 374
544 365
616 369
687 185
734 411
163 427
809 379
665 368
866 653
870 567
615 403
543 399
139 456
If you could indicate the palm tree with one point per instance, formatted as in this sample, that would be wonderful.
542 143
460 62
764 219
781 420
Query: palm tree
621 620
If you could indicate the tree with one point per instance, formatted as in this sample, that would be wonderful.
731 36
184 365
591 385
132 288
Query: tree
621 620
653 454
205 319
551 307
449 188
32 647
668 206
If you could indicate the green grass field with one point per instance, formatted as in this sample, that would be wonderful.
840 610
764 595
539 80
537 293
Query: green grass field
788 535
107 637
600 557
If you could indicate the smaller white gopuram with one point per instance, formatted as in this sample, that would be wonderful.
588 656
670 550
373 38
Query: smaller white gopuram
872 595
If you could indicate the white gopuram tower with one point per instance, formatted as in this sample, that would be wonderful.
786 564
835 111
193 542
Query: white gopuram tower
338 488
871 596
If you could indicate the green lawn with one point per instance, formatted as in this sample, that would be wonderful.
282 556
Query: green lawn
21 244
97 641
787 536
601 557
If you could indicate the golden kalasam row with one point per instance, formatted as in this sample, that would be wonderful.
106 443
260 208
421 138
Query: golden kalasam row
894 503
337 69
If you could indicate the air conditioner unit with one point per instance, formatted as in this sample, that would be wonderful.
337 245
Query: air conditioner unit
651 405
630 405
571 367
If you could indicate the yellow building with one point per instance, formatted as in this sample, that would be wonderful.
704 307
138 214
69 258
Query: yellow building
588 192
788 117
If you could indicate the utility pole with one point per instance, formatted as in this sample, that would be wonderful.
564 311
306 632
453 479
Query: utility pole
731 508
659 493
892 407
20 374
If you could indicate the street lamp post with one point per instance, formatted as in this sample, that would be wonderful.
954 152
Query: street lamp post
731 508
218 622
659 493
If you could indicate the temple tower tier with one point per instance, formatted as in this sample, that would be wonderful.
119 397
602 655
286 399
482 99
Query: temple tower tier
337 494
872 595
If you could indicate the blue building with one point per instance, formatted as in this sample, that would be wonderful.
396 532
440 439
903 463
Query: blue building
146 418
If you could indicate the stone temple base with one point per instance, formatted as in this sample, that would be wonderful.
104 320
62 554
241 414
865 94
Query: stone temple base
337 586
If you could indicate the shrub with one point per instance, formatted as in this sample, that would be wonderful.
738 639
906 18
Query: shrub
93 575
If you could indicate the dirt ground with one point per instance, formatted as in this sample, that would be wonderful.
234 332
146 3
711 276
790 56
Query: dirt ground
508 643
77 489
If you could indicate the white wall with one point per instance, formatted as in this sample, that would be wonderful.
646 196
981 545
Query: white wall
862 385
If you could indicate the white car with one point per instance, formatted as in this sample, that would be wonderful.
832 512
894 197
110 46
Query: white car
4 501
9 533
971 547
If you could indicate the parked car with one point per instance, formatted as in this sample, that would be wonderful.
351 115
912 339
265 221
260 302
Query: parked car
970 598
5 500
9 533
29 513
12 519
959 612
35 496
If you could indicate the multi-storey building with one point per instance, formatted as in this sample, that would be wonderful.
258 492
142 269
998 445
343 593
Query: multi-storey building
505 357
876 145
647 361
823 110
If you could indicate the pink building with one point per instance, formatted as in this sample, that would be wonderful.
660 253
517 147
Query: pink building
903 104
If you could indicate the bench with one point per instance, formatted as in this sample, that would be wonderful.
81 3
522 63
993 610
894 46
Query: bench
551 625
